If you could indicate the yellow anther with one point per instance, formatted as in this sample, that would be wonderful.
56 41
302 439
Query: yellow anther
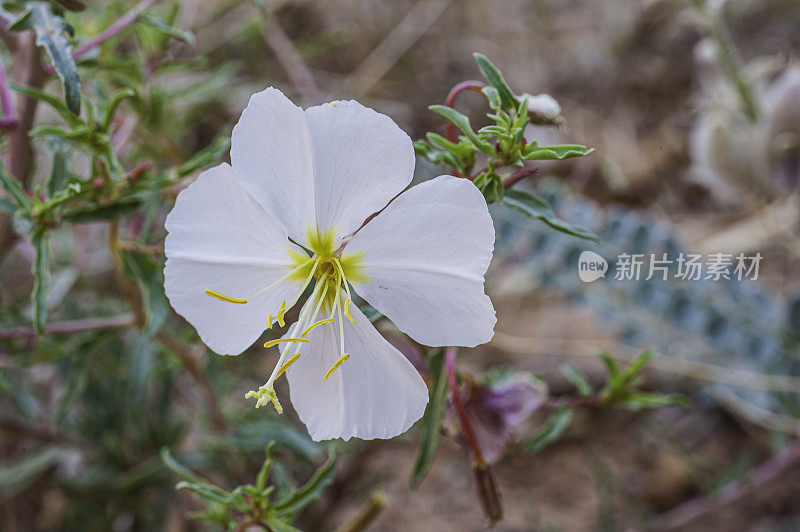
281 312
265 395
317 324
223 297
339 361
279 340
268 321
287 364
347 310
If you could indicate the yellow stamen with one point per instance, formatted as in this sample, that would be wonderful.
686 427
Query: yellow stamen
265 395
279 340
223 297
315 325
268 321
347 311
281 313
339 361
287 364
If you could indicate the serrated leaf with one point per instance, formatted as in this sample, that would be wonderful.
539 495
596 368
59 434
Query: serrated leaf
553 429
309 492
560 152
50 29
462 123
495 78
577 379
431 420
41 278
538 208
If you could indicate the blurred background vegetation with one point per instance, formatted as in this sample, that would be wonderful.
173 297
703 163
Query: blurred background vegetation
694 110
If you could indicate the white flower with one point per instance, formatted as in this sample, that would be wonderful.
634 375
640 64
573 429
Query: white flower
543 104
295 207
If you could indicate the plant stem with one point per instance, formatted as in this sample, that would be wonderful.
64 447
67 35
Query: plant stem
517 176
488 495
28 72
469 85
371 510
72 326
120 24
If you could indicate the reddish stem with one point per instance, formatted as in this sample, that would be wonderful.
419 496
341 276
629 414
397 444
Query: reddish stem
469 85
466 428
121 23
520 174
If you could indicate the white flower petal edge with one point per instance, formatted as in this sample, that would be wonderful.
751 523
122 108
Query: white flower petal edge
362 160
425 256
329 167
220 239
377 393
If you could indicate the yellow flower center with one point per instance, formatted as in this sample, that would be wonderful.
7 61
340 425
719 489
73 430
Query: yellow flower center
329 300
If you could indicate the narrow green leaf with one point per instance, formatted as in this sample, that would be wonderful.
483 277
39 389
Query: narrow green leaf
58 173
50 34
56 103
493 95
310 492
96 213
150 277
577 379
431 420
279 526
167 29
462 122
41 278
24 471
565 151
206 157
538 208
14 189
495 78
263 474
176 467
111 106
553 429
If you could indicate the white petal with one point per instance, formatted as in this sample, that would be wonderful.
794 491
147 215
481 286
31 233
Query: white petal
271 153
377 393
362 159
221 239
425 256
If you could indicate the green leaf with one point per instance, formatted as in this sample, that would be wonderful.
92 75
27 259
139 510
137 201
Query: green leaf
462 123
641 400
564 151
553 429
24 471
279 526
493 95
167 29
176 467
50 34
263 474
150 277
111 106
96 213
538 208
56 103
491 186
14 189
41 278
431 420
205 157
206 491
72 5
310 492
58 174
495 78
577 379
